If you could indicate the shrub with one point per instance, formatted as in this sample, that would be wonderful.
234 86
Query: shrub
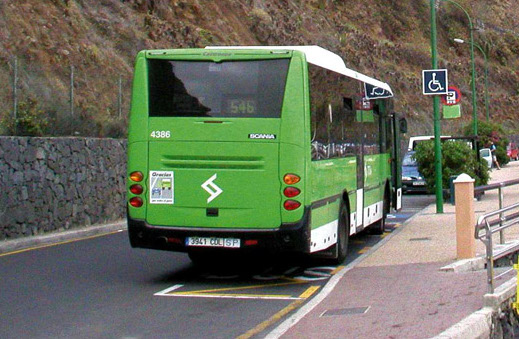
488 131
457 158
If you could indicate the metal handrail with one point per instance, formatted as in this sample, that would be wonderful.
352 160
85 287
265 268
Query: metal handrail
486 223
499 186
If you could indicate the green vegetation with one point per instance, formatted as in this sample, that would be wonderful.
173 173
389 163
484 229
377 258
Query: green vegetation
488 131
457 158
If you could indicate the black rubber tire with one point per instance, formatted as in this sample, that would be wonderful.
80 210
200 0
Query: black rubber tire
343 233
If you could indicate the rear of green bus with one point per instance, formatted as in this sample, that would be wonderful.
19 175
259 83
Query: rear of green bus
217 149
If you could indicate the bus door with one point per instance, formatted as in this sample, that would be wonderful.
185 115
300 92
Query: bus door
396 164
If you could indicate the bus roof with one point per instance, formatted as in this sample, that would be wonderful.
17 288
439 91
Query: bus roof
320 57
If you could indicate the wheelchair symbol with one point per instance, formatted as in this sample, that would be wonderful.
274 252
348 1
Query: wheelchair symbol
434 85
376 91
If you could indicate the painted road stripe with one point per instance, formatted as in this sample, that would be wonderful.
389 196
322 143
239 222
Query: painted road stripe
216 293
337 270
167 290
59 243
364 250
233 296
276 317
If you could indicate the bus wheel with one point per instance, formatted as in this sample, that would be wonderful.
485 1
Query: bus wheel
343 235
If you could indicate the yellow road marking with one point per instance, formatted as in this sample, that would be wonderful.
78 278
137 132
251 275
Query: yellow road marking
58 243
364 250
358 242
236 288
337 270
276 317
397 225
385 234
309 291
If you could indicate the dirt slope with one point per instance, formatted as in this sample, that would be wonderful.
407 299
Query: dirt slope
386 39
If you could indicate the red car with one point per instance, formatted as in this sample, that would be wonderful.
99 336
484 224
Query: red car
512 151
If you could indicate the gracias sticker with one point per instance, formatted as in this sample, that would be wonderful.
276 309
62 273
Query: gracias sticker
162 187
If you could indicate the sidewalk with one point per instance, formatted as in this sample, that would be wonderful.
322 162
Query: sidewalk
401 285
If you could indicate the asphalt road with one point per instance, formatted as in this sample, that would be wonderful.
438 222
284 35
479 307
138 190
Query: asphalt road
101 288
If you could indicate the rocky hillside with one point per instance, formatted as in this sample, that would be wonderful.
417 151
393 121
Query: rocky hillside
97 40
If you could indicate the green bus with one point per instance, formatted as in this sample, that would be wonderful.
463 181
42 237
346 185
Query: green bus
276 149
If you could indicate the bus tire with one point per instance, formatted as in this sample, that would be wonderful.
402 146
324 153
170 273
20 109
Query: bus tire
343 231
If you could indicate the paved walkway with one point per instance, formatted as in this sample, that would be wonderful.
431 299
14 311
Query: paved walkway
400 284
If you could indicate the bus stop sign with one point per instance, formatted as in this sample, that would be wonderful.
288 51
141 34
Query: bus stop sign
452 97
435 82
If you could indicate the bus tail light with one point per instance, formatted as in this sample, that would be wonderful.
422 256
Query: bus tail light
136 202
291 192
291 205
291 179
251 242
136 189
136 176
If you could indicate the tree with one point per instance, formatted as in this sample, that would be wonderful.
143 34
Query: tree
457 158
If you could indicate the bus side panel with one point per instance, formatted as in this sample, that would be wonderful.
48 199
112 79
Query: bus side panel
138 125
293 141
330 178
375 175
137 134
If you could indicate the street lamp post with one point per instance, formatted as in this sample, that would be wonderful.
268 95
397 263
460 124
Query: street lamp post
473 85
487 109
437 125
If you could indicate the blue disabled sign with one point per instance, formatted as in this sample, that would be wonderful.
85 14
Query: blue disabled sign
435 82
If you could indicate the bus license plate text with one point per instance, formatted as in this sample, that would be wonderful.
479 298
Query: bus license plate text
213 242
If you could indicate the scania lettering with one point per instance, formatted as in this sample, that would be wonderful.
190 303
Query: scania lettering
252 148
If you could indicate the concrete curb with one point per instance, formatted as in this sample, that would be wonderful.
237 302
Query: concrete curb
7 246
476 325
465 265
479 323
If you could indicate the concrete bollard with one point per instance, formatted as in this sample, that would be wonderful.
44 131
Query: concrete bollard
465 217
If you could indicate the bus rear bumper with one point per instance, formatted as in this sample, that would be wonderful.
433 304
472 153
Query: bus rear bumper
289 237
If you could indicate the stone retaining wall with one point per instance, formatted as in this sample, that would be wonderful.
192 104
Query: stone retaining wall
49 184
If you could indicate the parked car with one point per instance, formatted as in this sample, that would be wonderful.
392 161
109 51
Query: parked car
412 180
485 153
512 151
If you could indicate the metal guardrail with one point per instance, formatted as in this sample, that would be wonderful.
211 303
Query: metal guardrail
494 222
479 190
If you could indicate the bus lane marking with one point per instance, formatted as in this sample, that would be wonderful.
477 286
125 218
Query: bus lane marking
278 316
219 292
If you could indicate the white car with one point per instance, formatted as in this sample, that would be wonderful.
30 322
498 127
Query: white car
487 155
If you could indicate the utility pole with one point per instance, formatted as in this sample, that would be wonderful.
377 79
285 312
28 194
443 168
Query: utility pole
120 97
437 126
15 94
71 90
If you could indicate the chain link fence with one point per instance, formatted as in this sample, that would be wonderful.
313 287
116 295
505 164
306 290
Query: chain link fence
62 99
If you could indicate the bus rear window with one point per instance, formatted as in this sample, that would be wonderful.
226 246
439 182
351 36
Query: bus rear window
238 89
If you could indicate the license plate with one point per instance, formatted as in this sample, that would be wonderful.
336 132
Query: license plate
419 183
213 242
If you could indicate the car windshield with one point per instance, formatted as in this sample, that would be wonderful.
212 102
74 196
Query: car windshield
409 160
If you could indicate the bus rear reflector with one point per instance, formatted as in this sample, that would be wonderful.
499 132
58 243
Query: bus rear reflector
291 205
136 189
291 179
136 176
251 242
136 202
291 192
